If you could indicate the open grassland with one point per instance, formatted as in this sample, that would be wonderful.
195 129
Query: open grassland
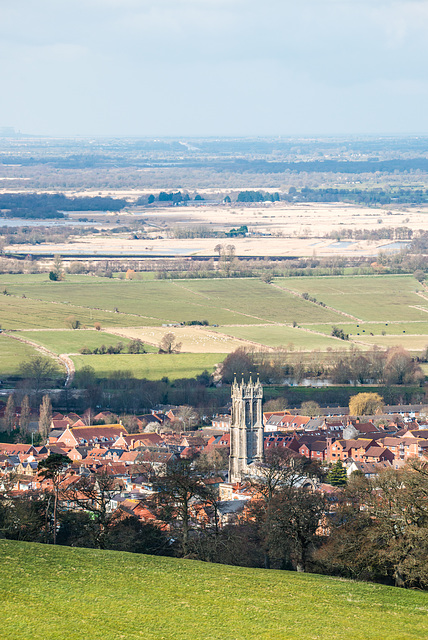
411 343
284 336
12 354
362 329
106 595
69 341
245 311
152 302
377 298
223 301
152 366
27 313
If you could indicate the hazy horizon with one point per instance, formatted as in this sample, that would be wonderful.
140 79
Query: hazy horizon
214 68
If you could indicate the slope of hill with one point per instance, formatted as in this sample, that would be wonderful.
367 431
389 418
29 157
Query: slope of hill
52 593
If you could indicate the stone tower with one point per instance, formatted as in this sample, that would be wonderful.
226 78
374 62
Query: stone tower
246 428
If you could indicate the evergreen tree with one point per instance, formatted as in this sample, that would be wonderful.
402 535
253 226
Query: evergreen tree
337 476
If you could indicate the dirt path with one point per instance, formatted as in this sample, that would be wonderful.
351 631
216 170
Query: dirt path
62 359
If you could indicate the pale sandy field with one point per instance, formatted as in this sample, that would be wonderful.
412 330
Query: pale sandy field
193 339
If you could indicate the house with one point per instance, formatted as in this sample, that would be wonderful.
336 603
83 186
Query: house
222 422
316 450
136 440
370 469
78 436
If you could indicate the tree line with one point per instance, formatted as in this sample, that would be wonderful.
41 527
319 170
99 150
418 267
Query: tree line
52 205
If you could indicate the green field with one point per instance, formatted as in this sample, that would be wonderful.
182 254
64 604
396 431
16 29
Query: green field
26 313
12 354
379 298
224 301
152 366
69 341
52 593
363 329
243 308
281 336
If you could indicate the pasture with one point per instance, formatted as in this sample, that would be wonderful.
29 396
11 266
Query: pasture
152 365
27 313
12 354
106 595
71 341
240 311
367 298
292 338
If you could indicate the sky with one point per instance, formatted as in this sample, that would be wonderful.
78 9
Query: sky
214 67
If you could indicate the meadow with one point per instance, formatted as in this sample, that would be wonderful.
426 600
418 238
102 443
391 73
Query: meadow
368 298
240 312
107 595
71 341
12 354
152 365
292 338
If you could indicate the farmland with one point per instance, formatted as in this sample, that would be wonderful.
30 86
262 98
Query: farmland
381 310
367 298
151 365
71 341
283 336
88 583
12 353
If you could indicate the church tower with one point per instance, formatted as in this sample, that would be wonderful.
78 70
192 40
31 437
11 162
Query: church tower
246 428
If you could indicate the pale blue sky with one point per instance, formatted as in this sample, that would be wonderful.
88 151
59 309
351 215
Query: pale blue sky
214 67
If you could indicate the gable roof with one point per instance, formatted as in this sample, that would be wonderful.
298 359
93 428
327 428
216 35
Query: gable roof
107 433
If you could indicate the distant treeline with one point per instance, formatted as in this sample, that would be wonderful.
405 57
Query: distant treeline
47 205
361 196
233 165
358 196
325 166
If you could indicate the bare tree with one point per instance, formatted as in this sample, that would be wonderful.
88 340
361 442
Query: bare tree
45 417
94 494
51 469
38 371
188 416
169 344
176 488
9 414
24 418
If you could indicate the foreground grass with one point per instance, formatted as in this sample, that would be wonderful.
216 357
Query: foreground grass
152 366
53 593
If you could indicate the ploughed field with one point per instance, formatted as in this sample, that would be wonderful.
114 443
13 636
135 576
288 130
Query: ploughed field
106 595
296 313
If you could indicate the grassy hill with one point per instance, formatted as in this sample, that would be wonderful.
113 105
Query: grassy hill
52 593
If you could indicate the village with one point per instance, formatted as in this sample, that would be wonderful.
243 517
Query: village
366 445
